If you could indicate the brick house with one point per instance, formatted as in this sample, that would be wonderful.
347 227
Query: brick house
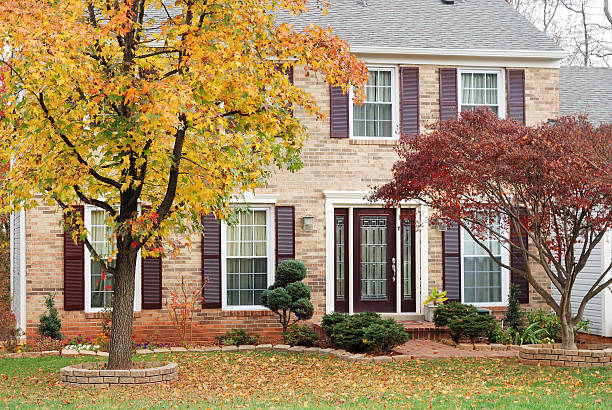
428 59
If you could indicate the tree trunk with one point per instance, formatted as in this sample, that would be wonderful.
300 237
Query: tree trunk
567 327
120 355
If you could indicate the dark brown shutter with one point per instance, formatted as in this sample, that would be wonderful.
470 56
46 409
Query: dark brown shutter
338 113
516 95
211 262
517 261
290 74
451 262
74 267
151 275
409 90
448 93
285 233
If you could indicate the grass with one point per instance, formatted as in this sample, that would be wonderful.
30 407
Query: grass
280 380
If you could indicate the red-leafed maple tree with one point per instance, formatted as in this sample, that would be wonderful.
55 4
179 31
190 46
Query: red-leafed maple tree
558 175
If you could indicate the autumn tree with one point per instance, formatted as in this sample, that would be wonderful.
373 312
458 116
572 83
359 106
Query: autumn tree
552 183
109 107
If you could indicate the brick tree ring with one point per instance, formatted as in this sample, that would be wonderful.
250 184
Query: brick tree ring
90 374
588 355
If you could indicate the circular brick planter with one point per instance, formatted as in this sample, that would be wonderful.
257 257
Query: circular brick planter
89 375
554 355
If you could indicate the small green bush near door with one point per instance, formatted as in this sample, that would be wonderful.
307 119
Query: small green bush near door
365 332
300 336
453 310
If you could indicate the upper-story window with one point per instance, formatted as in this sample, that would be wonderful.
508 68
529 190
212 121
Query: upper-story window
481 88
377 117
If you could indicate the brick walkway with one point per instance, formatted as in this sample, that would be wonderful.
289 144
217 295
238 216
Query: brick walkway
427 349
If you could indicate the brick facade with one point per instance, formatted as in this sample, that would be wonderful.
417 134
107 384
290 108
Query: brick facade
329 164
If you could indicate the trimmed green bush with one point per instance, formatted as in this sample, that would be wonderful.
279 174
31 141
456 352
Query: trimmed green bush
514 317
289 297
453 310
50 324
300 336
473 326
237 337
365 332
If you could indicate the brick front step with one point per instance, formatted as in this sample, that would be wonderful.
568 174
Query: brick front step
420 330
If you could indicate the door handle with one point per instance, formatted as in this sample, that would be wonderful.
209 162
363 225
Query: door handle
393 268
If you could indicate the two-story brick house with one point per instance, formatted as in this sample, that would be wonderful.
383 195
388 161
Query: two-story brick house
428 59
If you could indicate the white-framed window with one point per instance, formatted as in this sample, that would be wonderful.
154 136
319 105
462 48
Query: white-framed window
484 282
378 116
247 267
98 284
482 88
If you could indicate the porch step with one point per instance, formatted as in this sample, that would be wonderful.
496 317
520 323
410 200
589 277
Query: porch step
421 330
404 317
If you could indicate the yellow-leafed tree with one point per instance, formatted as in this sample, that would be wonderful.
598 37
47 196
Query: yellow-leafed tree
108 106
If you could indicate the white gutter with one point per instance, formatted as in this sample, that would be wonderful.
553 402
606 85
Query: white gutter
491 53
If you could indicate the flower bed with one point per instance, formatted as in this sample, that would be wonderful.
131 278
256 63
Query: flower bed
93 374
588 355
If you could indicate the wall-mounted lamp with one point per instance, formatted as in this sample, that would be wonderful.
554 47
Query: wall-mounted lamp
440 224
308 223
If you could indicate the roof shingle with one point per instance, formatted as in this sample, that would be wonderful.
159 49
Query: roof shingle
586 90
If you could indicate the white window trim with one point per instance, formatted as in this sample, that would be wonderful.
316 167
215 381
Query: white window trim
271 259
137 285
505 275
501 86
395 111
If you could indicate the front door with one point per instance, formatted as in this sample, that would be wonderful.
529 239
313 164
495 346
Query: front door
374 263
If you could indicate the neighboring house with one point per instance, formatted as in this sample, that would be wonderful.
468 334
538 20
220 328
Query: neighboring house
588 90
427 60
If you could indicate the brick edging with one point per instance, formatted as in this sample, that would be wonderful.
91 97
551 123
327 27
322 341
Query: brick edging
83 375
554 355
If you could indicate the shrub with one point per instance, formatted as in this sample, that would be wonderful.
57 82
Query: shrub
514 317
365 332
453 310
8 327
237 337
288 294
300 336
500 335
473 326
46 343
50 324
551 324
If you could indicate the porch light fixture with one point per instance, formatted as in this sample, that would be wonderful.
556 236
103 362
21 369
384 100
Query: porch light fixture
308 223
440 225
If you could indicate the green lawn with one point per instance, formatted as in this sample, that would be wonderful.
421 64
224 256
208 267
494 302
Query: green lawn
265 380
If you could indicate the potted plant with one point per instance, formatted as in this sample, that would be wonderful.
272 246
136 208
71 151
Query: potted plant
434 299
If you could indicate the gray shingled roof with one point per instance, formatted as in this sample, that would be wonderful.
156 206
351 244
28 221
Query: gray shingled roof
468 24
586 90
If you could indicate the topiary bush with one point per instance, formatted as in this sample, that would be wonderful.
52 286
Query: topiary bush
472 326
289 295
300 336
365 332
50 324
237 337
453 310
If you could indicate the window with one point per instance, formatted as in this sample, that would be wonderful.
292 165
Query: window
484 281
481 89
376 117
247 258
99 284
340 252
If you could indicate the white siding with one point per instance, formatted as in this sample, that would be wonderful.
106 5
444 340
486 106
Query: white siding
595 309
17 255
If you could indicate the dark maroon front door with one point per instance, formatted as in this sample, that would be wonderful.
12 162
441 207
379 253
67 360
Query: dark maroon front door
374 264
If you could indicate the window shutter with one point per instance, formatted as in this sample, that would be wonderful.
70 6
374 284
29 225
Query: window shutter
211 262
290 74
151 274
409 89
338 113
448 93
285 233
74 267
451 262
516 95
516 261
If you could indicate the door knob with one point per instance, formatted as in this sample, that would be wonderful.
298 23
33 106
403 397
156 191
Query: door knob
393 268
